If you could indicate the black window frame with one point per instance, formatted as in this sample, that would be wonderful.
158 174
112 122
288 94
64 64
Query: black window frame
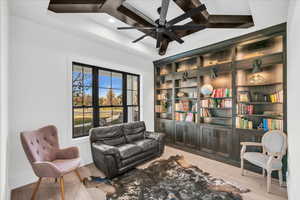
95 96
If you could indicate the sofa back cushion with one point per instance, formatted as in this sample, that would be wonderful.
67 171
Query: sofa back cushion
110 135
134 131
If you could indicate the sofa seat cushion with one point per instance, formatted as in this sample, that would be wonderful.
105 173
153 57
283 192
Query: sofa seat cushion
128 150
261 160
147 144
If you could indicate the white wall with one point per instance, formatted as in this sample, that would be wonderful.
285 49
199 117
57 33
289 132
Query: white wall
293 99
40 86
3 97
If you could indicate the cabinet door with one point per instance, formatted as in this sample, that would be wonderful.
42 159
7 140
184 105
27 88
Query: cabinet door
207 139
248 136
223 139
166 127
179 133
191 135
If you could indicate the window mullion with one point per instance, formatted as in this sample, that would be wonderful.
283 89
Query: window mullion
96 111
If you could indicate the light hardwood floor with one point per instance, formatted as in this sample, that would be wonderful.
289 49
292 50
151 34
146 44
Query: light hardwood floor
74 190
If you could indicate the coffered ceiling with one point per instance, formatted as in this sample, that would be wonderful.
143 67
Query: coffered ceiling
101 27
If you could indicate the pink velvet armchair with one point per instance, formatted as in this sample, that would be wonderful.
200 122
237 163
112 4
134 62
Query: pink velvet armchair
47 159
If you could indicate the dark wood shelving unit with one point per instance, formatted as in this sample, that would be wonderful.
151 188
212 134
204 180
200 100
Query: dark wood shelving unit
202 124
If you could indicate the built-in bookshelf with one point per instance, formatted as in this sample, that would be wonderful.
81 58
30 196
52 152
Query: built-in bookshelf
213 98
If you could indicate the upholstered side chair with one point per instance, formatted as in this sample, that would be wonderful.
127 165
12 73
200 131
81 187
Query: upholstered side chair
274 146
47 159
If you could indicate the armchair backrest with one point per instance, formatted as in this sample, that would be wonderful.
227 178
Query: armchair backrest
41 144
275 142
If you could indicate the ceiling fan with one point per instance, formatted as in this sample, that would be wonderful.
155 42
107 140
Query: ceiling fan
163 28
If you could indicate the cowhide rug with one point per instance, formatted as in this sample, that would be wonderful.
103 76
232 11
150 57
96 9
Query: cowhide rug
171 179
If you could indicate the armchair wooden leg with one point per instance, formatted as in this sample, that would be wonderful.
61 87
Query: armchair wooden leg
280 178
62 188
269 179
78 175
242 166
36 189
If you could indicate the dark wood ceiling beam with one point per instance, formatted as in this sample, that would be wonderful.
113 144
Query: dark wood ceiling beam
76 6
231 19
187 5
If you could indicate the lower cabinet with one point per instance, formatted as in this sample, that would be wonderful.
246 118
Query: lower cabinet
167 127
216 140
204 138
186 134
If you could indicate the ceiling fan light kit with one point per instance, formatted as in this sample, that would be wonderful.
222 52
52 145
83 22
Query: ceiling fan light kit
162 30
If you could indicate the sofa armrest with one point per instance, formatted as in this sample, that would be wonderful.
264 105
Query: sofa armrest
106 149
159 137
155 135
107 158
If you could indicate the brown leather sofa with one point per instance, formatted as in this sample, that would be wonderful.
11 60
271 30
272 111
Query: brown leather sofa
118 148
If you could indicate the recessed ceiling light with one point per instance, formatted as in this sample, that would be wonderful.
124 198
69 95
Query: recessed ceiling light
111 20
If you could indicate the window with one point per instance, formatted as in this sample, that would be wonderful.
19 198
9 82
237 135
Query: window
103 97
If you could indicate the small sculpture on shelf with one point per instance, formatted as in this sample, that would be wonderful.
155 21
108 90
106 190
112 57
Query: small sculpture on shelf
207 90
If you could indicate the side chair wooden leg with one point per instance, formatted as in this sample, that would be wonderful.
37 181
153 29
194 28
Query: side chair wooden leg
263 172
242 166
36 189
269 181
62 188
78 175
280 177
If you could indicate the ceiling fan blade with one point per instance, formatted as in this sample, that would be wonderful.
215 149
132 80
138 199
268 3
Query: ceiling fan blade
188 14
188 27
159 39
164 11
137 28
142 37
173 36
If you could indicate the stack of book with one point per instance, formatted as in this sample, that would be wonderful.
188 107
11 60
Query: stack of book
205 113
160 109
244 123
243 109
272 124
213 103
185 117
276 97
221 93
183 105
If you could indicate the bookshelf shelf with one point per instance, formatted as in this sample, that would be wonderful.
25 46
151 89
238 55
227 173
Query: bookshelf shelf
263 116
216 108
216 97
163 88
191 87
179 111
261 85
259 103
217 117
185 98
